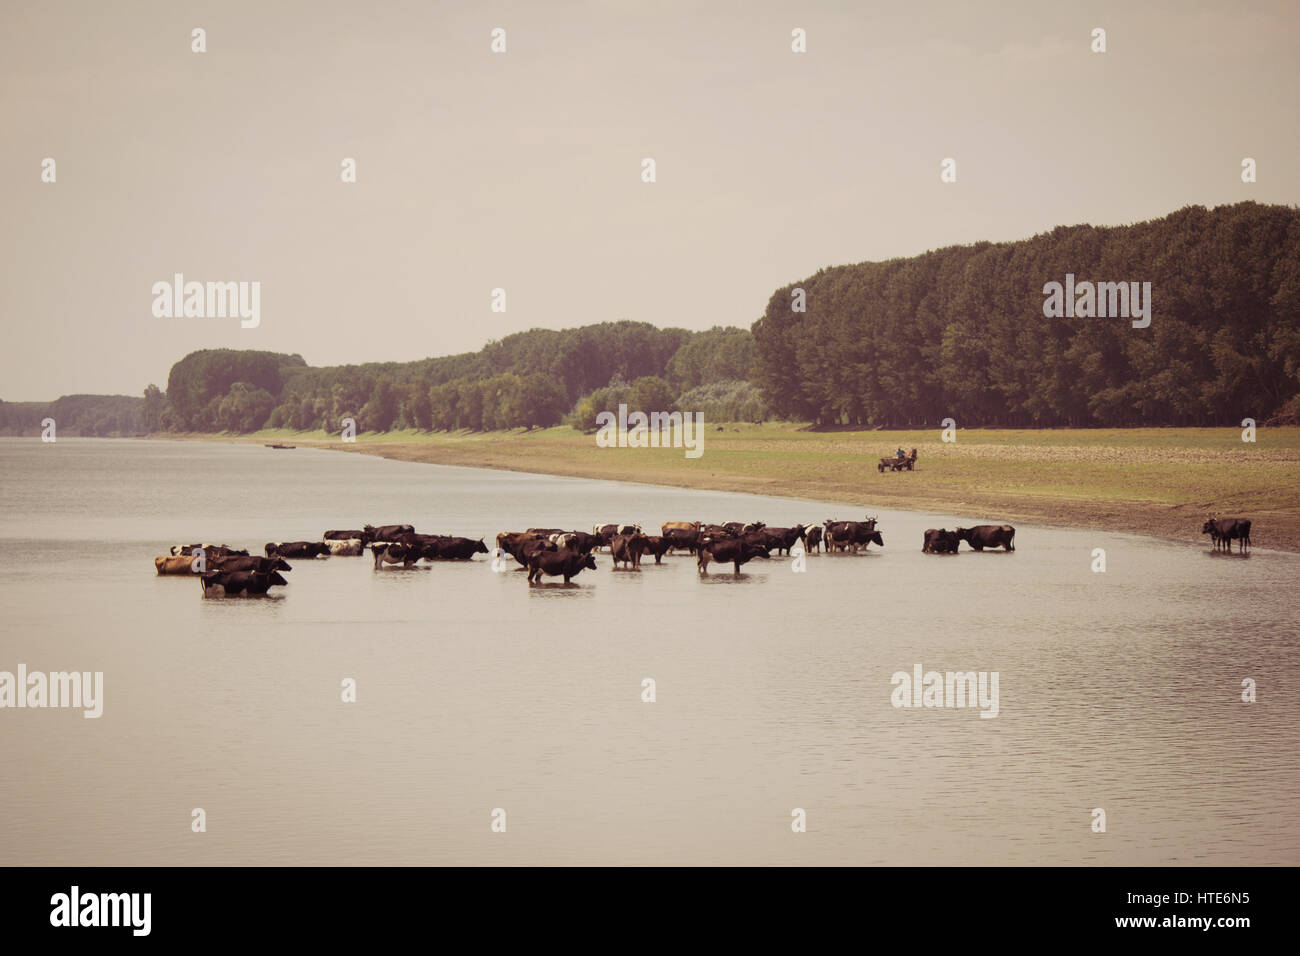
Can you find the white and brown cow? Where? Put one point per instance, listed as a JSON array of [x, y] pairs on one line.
[[349, 548]]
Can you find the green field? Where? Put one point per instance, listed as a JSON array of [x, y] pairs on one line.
[[1160, 481]]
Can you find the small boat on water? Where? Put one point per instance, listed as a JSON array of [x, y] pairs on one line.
[[281, 446]]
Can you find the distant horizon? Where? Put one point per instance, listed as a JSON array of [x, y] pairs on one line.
[[784, 138], [161, 383]]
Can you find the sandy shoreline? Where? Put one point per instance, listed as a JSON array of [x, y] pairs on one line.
[[816, 476]]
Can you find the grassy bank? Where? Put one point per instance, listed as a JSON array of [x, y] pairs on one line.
[[1159, 481]]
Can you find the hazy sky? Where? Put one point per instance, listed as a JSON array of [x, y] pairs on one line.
[[522, 170]]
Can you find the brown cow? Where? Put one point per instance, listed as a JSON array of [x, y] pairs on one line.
[[680, 526], [658, 546], [514, 544], [251, 563], [605, 533], [989, 536], [628, 548], [228, 583], [175, 564], [568, 563], [737, 551], [681, 538], [940, 541]]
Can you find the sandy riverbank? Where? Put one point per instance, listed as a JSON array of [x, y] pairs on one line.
[[1161, 482]]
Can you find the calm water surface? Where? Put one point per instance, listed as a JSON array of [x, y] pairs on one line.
[[1118, 690]]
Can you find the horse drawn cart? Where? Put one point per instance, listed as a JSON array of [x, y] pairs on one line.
[[898, 463]]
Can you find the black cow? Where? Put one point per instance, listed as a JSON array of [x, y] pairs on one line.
[[605, 533], [813, 538], [1223, 531], [249, 563], [783, 539], [738, 528], [387, 532], [240, 582], [568, 563], [989, 536], [362, 536], [680, 526], [459, 549], [210, 550], [941, 541], [658, 546], [297, 549], [682, 538], [414, 539], [736, 550], [850, 535], [714, 532], [422, 545], [829, 528]]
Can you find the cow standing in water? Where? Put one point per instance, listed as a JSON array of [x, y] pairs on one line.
[[231, 583], [627, 549], [342, 535], [850, 535], [989, 536], [814, 539], [297, 549], [687, 539], [658, 546], [459, 549], [404, 554], [781, 540], [605, 533], [1223, 531], [737, 551], [567, 563], [941, 541], [385, 532], [345, 547], [175, 563]]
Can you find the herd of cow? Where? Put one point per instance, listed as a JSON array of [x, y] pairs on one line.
[[222, 570], [554, 552]]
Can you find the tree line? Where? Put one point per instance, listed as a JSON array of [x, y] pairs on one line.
[[95, 416], [961, 333], [530, 379]]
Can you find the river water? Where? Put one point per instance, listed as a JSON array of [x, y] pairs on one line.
[[1119, 691]]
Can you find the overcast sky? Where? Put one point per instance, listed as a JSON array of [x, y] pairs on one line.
[[522, 170]]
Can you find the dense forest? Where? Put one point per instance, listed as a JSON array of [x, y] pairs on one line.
[[96, 416], [531, 379], [961, 332]]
